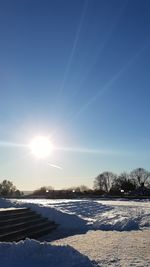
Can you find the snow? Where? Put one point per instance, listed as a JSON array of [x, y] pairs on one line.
[[35, 254], [113, 248], [111, 233], [82, 215]]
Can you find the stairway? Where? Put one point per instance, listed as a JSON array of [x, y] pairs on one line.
[[19, 223]]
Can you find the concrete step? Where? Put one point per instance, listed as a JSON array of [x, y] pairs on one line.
[[25, 231], [35, 234], [17, 224], [26, 218], [16, 214], [12, 210]]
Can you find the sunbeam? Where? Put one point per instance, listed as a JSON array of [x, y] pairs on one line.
[[104, 89], [101, 48], [109, 83], [83, 150], [11, 144], [74, 47], [92, 151]]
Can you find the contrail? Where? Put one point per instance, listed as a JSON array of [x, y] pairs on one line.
[[55, 166]]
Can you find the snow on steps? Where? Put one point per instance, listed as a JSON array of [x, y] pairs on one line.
[[19, 223]]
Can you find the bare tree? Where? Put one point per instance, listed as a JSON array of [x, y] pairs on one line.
[[140, 176], [104, 181], [7, 188], [123, 182]]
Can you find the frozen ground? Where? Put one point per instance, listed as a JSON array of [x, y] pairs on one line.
[[110, 233], [113, 249]]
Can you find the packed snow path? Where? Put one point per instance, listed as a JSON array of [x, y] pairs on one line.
[[112, 248]]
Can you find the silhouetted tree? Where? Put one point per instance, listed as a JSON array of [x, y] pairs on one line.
[[140, 176], [78, 189], [8, 189], [43, 190], [123, 182], [104, 181], [83, 188], [18, 193]]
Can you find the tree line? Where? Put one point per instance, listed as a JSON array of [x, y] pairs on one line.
[[137, 180]]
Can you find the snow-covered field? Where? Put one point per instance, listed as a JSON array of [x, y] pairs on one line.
[[90, 233]]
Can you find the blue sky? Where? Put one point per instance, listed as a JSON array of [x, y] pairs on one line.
[[77, 71]]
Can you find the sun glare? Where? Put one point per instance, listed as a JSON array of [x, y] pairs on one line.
[[41, 147]]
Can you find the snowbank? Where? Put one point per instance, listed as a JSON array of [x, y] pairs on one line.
[[31, 253], [67, 223], [79, 216], [5, 203]]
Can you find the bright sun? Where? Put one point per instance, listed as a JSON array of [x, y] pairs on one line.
[[41, 147]]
